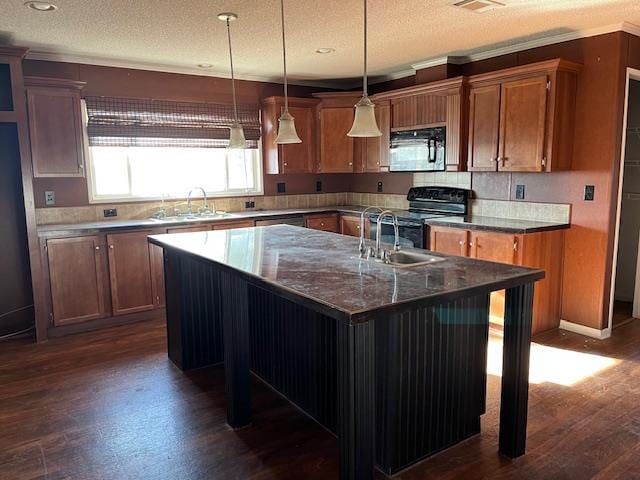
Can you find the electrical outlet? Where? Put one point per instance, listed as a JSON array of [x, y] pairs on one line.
[[519, 192], [318, 186], [50, 198], [250, 204], [282, 187], [110, 212], [589, 192], [379, 187]]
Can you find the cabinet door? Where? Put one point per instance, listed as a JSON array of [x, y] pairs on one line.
[[232, 225], [494, 247], [376, 149], [523, 111], [404, 112], [452, 241], [299, 157], [130, 272], [193, 228], [55, 125], [77, 272], [336, 148], [484, 127], [156, 256], [350, 225], [327, 223]]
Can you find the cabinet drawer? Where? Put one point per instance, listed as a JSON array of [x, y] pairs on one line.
[[327, 223], [231, 225]]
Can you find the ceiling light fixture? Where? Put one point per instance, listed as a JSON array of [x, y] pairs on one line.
[[286, 124], [236, 134], [204, 66], [364, 122], [324, 50], [41, 6]]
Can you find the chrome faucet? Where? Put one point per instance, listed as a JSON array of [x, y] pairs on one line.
[[379, 252], [205, 205], [362, 249]]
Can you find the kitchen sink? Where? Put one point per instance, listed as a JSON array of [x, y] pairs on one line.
[[193, 218], [411, 259]]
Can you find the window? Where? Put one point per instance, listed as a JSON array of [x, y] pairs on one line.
[[144, 150]]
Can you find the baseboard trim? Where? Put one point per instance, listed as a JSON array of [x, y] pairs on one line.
[[584, 330]]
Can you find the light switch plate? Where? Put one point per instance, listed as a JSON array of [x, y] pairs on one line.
[[589, 192], [50, 198], [110, 212], [519, 192]]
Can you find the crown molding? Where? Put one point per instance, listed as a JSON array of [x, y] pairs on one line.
[[529, 44], [63, 57]]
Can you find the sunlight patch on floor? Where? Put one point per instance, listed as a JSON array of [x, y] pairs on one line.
[[552, 364]]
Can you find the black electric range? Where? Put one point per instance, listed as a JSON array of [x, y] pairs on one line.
[[424, 203]]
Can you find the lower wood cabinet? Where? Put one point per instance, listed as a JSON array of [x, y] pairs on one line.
[[542, 250], [79, 279], [325, 222], [237, 224], [156, 258], [350, 225], [193, 228], [130, 272]]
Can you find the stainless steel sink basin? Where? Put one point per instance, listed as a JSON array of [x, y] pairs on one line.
[[193, 218], [403, 259]]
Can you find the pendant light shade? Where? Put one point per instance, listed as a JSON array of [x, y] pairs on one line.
[[236, 134], [286, 124], [287, 130], [236, 137], [364, 122]]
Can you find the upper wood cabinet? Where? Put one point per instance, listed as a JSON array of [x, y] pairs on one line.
[[484, 127], [418, 111], [295, 157], [130, 272], [373, 152], [55, 125], [521, 119], [78, 276]]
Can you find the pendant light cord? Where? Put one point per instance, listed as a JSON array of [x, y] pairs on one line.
[[233, 80], [284, 59], [364, 76]]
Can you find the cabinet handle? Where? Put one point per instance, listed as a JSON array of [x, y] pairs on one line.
[[111, 247], [471, 244], [98, 247], [462, 243], [285, 164], [515, 246]]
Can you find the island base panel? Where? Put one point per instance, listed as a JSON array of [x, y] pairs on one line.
[[515, 375]]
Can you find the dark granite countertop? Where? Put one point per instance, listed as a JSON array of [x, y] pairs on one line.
[[506, 225], [472, 222], [324, 269]]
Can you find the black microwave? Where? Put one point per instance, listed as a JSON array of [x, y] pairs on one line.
[[421, 150]]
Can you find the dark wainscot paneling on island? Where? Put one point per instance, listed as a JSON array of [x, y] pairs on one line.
[[392, 361]]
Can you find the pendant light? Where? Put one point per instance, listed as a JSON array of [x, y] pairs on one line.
[[364, 122], [286, 125], [236, 134]]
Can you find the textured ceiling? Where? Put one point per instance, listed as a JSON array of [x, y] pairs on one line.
[[178, 34]]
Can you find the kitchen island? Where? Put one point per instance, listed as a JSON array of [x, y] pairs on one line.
[[391, 360]]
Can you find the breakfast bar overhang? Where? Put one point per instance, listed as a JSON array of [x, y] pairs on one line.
[[392, 360]]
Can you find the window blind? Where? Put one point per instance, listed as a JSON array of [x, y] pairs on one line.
[[130, 122]]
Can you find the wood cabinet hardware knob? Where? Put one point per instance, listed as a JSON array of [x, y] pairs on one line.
[[98, 247], [111, 247], [471, 244], [461, 243]]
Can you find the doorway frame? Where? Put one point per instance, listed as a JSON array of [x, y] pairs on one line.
[[632, 74]]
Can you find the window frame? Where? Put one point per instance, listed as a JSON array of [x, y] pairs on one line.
[[95, 199]]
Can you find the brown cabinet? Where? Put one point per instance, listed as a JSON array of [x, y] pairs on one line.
[[418, 110], [523, 108], [452, 241], [521, 119], [374, 151], [192, 228], [350, 225], [232, 225], [78, 279], [336, 148], [56, 128], [156, 258], [484, 127], [295, 157], [130, 272], [325, 222], [542, 250]]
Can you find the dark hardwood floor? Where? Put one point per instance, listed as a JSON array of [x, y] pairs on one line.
[[109, 405]]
